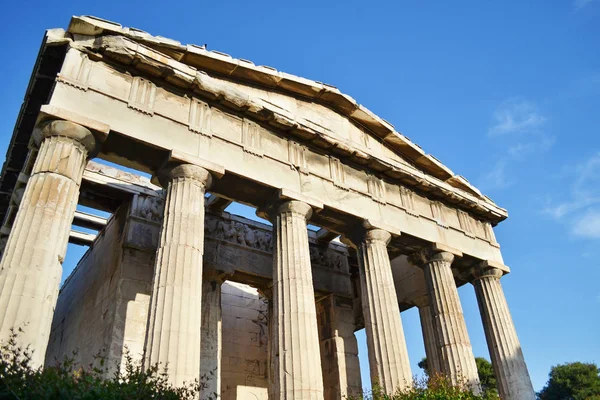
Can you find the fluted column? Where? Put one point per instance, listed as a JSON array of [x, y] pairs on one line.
[[388, 356], [31, 267], [295, 356], [456, 355], [429, 337], [505, 350], [339, 349], [174, 327], [211, 350]]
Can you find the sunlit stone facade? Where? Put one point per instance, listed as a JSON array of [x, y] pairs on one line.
[[250, 309]]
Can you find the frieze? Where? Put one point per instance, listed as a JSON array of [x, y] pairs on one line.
[[328, 258], [239, 233], [148, 207], [261, 239]]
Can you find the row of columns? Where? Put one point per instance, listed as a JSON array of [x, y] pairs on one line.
[[31, 268]]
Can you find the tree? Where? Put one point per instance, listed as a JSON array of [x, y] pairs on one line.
[[484, 370], [572, 381]]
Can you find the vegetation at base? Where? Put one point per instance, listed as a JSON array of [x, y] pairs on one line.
[[19, 380], [433, 388], [485, 371], [68, 380], [572, 381]]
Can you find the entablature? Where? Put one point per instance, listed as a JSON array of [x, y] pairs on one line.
[[348, 130]]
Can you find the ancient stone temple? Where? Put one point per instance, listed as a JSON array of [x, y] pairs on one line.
[[253, 310]]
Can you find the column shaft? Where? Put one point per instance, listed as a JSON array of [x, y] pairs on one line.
[[174, 327], [505, 350], [430, 340], [339, 349], [31, 268], [456, 355], [388, 356], [296, 362], [210, 358]]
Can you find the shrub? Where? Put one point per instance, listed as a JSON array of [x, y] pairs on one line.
[[437, 387], [68, 380]]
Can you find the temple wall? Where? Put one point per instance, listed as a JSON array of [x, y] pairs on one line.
[[85, 311], [245, 343]]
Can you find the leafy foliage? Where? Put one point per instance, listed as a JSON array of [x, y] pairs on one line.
[[485, 372], [432, 388], [68, 380], [572, 381]]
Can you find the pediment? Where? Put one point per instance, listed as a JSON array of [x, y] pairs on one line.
[[311, 111]]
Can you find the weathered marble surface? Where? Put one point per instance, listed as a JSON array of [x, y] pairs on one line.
[[152, 102], [505, 350], [175, 320], [31, 266]]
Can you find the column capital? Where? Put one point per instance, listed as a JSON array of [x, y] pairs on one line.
[[372, 231], [488, 269], [288, 201], [189, 171], [434, 252], [68, 129]]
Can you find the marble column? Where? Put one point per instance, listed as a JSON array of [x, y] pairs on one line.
[[174, 326], [339, 348], [31, 268], [505, 350], [295, 356], [456, 355], [429, 337], [211, 344], [388, 356]]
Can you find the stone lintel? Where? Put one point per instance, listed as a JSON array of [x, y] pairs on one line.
[[49, 112], [286, 194], [370, 224], [440, 247], [355, 236], [177, 156]]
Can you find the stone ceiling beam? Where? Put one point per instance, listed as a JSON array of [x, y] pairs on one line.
[[325, 235], [217, 203], [81, 238], [90, 221]]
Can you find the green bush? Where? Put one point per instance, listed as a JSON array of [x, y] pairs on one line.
[[572, 381], [68, 380], [436, 387]]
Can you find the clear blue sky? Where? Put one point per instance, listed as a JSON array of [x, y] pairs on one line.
[[506, 93]]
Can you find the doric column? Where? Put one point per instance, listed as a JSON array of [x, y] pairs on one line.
[[339, 349], [507, 357], [456, 355], [174, 327], [388, 356], [429, 337], [210, 358], [31, 267], [295, 357]]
